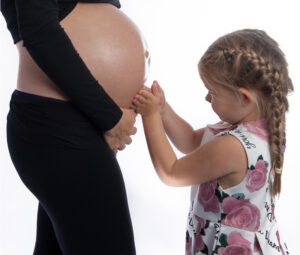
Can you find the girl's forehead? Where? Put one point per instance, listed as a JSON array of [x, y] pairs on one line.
[[209, 85]]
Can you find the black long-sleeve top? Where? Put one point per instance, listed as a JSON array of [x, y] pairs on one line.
[[36, 22]]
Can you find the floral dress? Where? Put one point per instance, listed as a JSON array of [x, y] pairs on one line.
[[239, 220]]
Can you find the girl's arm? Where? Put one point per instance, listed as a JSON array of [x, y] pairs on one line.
[[219, 157], [181, 133]]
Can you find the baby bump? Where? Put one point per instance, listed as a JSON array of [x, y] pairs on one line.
[[112, 47]]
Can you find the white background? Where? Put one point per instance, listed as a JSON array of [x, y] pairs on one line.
[[178, 33]]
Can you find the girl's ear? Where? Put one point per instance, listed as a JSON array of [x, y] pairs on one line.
[[247, 96]]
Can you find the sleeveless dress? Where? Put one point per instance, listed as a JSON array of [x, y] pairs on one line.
[[239, 220]]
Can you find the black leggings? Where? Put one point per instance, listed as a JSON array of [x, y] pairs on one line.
[[65, 162]]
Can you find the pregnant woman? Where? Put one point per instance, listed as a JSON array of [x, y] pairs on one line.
[[80, 64]]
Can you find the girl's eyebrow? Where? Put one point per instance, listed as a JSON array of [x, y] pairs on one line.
[[205, 85], [208, 87]]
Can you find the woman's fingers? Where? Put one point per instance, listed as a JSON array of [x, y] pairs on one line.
[[133, 131], [122, 147], [128, 140]]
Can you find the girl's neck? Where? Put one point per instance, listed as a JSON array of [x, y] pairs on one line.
[[252, 116]]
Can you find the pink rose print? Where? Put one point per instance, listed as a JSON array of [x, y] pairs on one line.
[[257, 177], [241, 214], [235, 249], [237, 238], [201, 223], [273, 211], [277, 234], [207, 198], [188, 247], [258, 128], [199, 241], [237, 245]]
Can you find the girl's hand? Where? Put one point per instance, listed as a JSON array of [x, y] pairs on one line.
[[146, 103], [157, 90]]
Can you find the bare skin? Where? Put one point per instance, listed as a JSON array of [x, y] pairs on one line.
[[113, 49], [200, 165]]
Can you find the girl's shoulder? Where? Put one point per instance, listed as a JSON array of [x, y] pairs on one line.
[[246, 132], [252, 135]]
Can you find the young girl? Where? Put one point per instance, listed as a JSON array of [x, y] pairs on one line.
[[234, 166]]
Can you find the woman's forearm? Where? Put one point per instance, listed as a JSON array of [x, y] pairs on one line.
[[181, 133], [53, 51]]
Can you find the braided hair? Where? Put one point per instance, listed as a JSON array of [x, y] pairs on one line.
[[251, 59]]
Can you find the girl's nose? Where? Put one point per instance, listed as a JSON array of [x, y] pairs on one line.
[[208, 97]]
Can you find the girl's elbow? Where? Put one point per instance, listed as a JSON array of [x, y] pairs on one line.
[[169, 179]]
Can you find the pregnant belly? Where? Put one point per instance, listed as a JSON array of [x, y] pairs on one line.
[[112, 47]]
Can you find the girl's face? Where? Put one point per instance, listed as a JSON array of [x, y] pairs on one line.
[[229, 106]]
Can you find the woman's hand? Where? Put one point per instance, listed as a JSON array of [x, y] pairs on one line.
[[119, 135]]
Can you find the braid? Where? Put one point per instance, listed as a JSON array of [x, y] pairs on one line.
[[267, 80], [251, 59], [277, 132]]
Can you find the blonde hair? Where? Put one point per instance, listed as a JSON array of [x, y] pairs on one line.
[[251, 59]]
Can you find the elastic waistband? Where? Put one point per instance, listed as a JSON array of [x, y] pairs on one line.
[[42, 108], [25, 95]]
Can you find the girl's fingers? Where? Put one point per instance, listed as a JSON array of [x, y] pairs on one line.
[[134, 102], [141, 91], [159, 89], [155, 90], [153, 86], [146, 88], [133, 107], [140, 99], [146, 94]]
